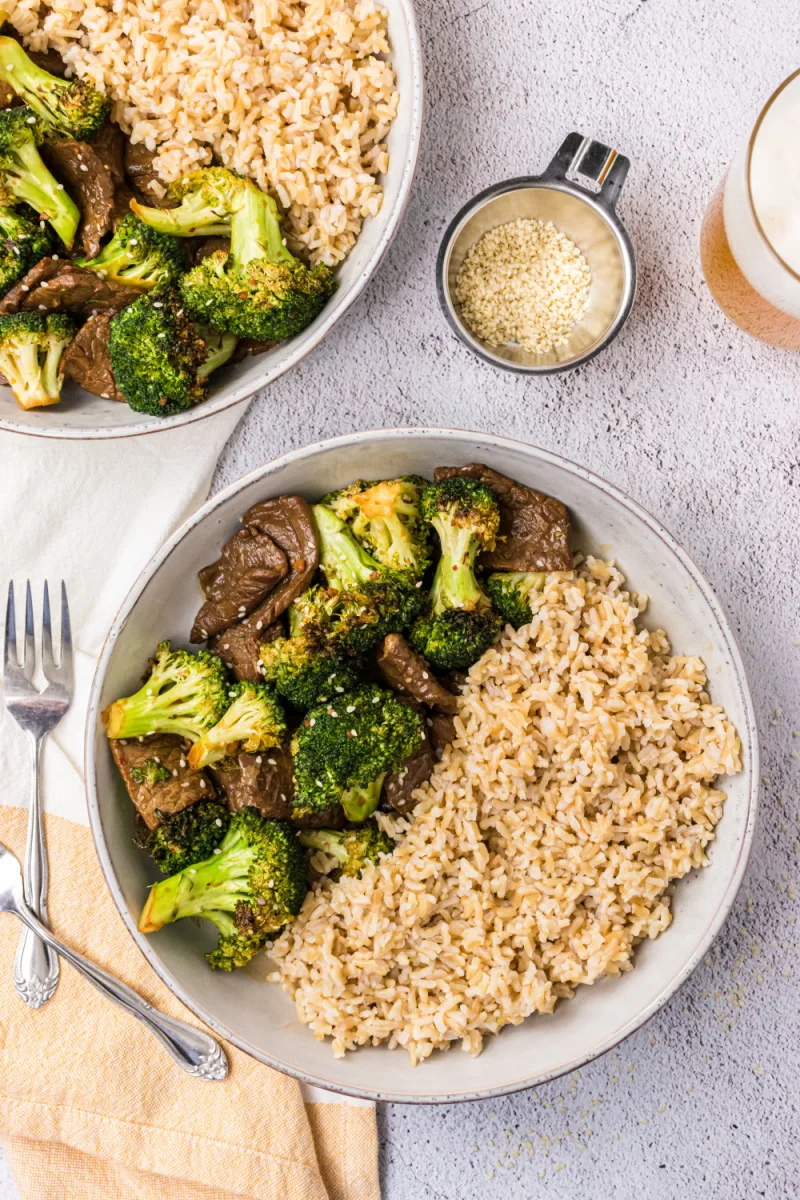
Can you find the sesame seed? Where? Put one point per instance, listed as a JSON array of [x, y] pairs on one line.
[[84, 167], [258, 759], [182, 763], [350, 708], [218, 822], [202, 783], [272, 762], [174, 772], [260, 900]]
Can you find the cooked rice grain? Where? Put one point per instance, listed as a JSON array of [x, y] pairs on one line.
[[298, 95], [578, 787]]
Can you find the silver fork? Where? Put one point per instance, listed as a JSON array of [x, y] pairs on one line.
[[37, 713]]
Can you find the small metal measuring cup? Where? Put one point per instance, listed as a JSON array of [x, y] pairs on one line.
[[578, 192]]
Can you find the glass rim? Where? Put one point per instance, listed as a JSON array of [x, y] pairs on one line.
[[748, 165]]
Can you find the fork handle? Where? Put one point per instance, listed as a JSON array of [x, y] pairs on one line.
[[35, 965], [194, 1051]]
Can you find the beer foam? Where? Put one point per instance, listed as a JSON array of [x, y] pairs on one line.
[[775, 175]]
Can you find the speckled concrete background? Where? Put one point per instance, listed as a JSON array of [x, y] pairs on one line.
[[698, 423]]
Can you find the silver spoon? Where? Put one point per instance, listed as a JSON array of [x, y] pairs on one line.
[[194, 1051]]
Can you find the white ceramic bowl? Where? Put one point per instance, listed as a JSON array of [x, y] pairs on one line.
[[258, 1017], [83, 416]]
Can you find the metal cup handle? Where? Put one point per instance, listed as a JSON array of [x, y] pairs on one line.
[[589, 165]]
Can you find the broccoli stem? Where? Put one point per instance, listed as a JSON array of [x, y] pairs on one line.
[[345, 563], [37, 187], [208, 889], [135, 715], [256, 230], [360, 802], [455, 585], [21, 367], [330, 841]]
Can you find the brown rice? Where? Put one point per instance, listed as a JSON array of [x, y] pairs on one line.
[[540, 852], [296, 94]]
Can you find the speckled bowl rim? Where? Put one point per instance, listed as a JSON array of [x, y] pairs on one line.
[[748, 734]]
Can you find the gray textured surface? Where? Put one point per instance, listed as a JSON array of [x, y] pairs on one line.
[[699, 424]]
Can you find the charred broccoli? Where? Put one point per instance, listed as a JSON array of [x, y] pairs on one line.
[[250, 887], [260, 289], [184, 694], [205, 201], [459, 623], [188, 836], [22, 243], [353, 848], [385, 519], [157, 355], [138, 256], [346, 746], [31, 346], [219, 347], [24, 177], [304, 667], [254, 722], [150, 772], [510, 593], [364, 600], [70, 107]]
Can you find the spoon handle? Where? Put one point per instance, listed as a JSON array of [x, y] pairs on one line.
[[194, 1051]]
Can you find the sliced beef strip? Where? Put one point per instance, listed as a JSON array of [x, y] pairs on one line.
[[534, 528], [248, 569], [239, 647], [143, 177], [200, 248], [248, 347], [184, 787], [288, 521], [406, 671], [88, 362], [58, 285], [122, 204], [109, 146], [89, 182], [441, 730], [398, 786], [268, 785]]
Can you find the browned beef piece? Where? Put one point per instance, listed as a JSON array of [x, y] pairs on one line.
[[122, 204], [239, 647], [157, 800], [247, 347], [534, 528], [398, 786], [406, 671], [89, 182], [109, 146], [265, 781], [454, 681], [249, 567], [288, 521], [56, 284], [441, 730], [88, 362], [200, 248], [143, 177]]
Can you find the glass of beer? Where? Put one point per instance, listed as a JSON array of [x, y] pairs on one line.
[[750, 240]]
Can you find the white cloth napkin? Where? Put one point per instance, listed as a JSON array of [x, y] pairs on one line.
[[91, 513]]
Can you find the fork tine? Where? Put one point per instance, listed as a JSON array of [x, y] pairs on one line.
[[29, 655], [10, 662], [65, 664], [48, 662]]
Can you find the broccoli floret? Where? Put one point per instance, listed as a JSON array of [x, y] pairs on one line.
[[510, 593], [24, 177], [346, 746], [70, 107], [31, 346], [185, 694], [252, 887], [254, 722], [151, 771], [205, 201], [364, 601], [22, 243], [219, 346], [259, 290], [188, 836], [353, 848], [385, 518], [138, 256], [157, 355], [303, 667], [459, 624]]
